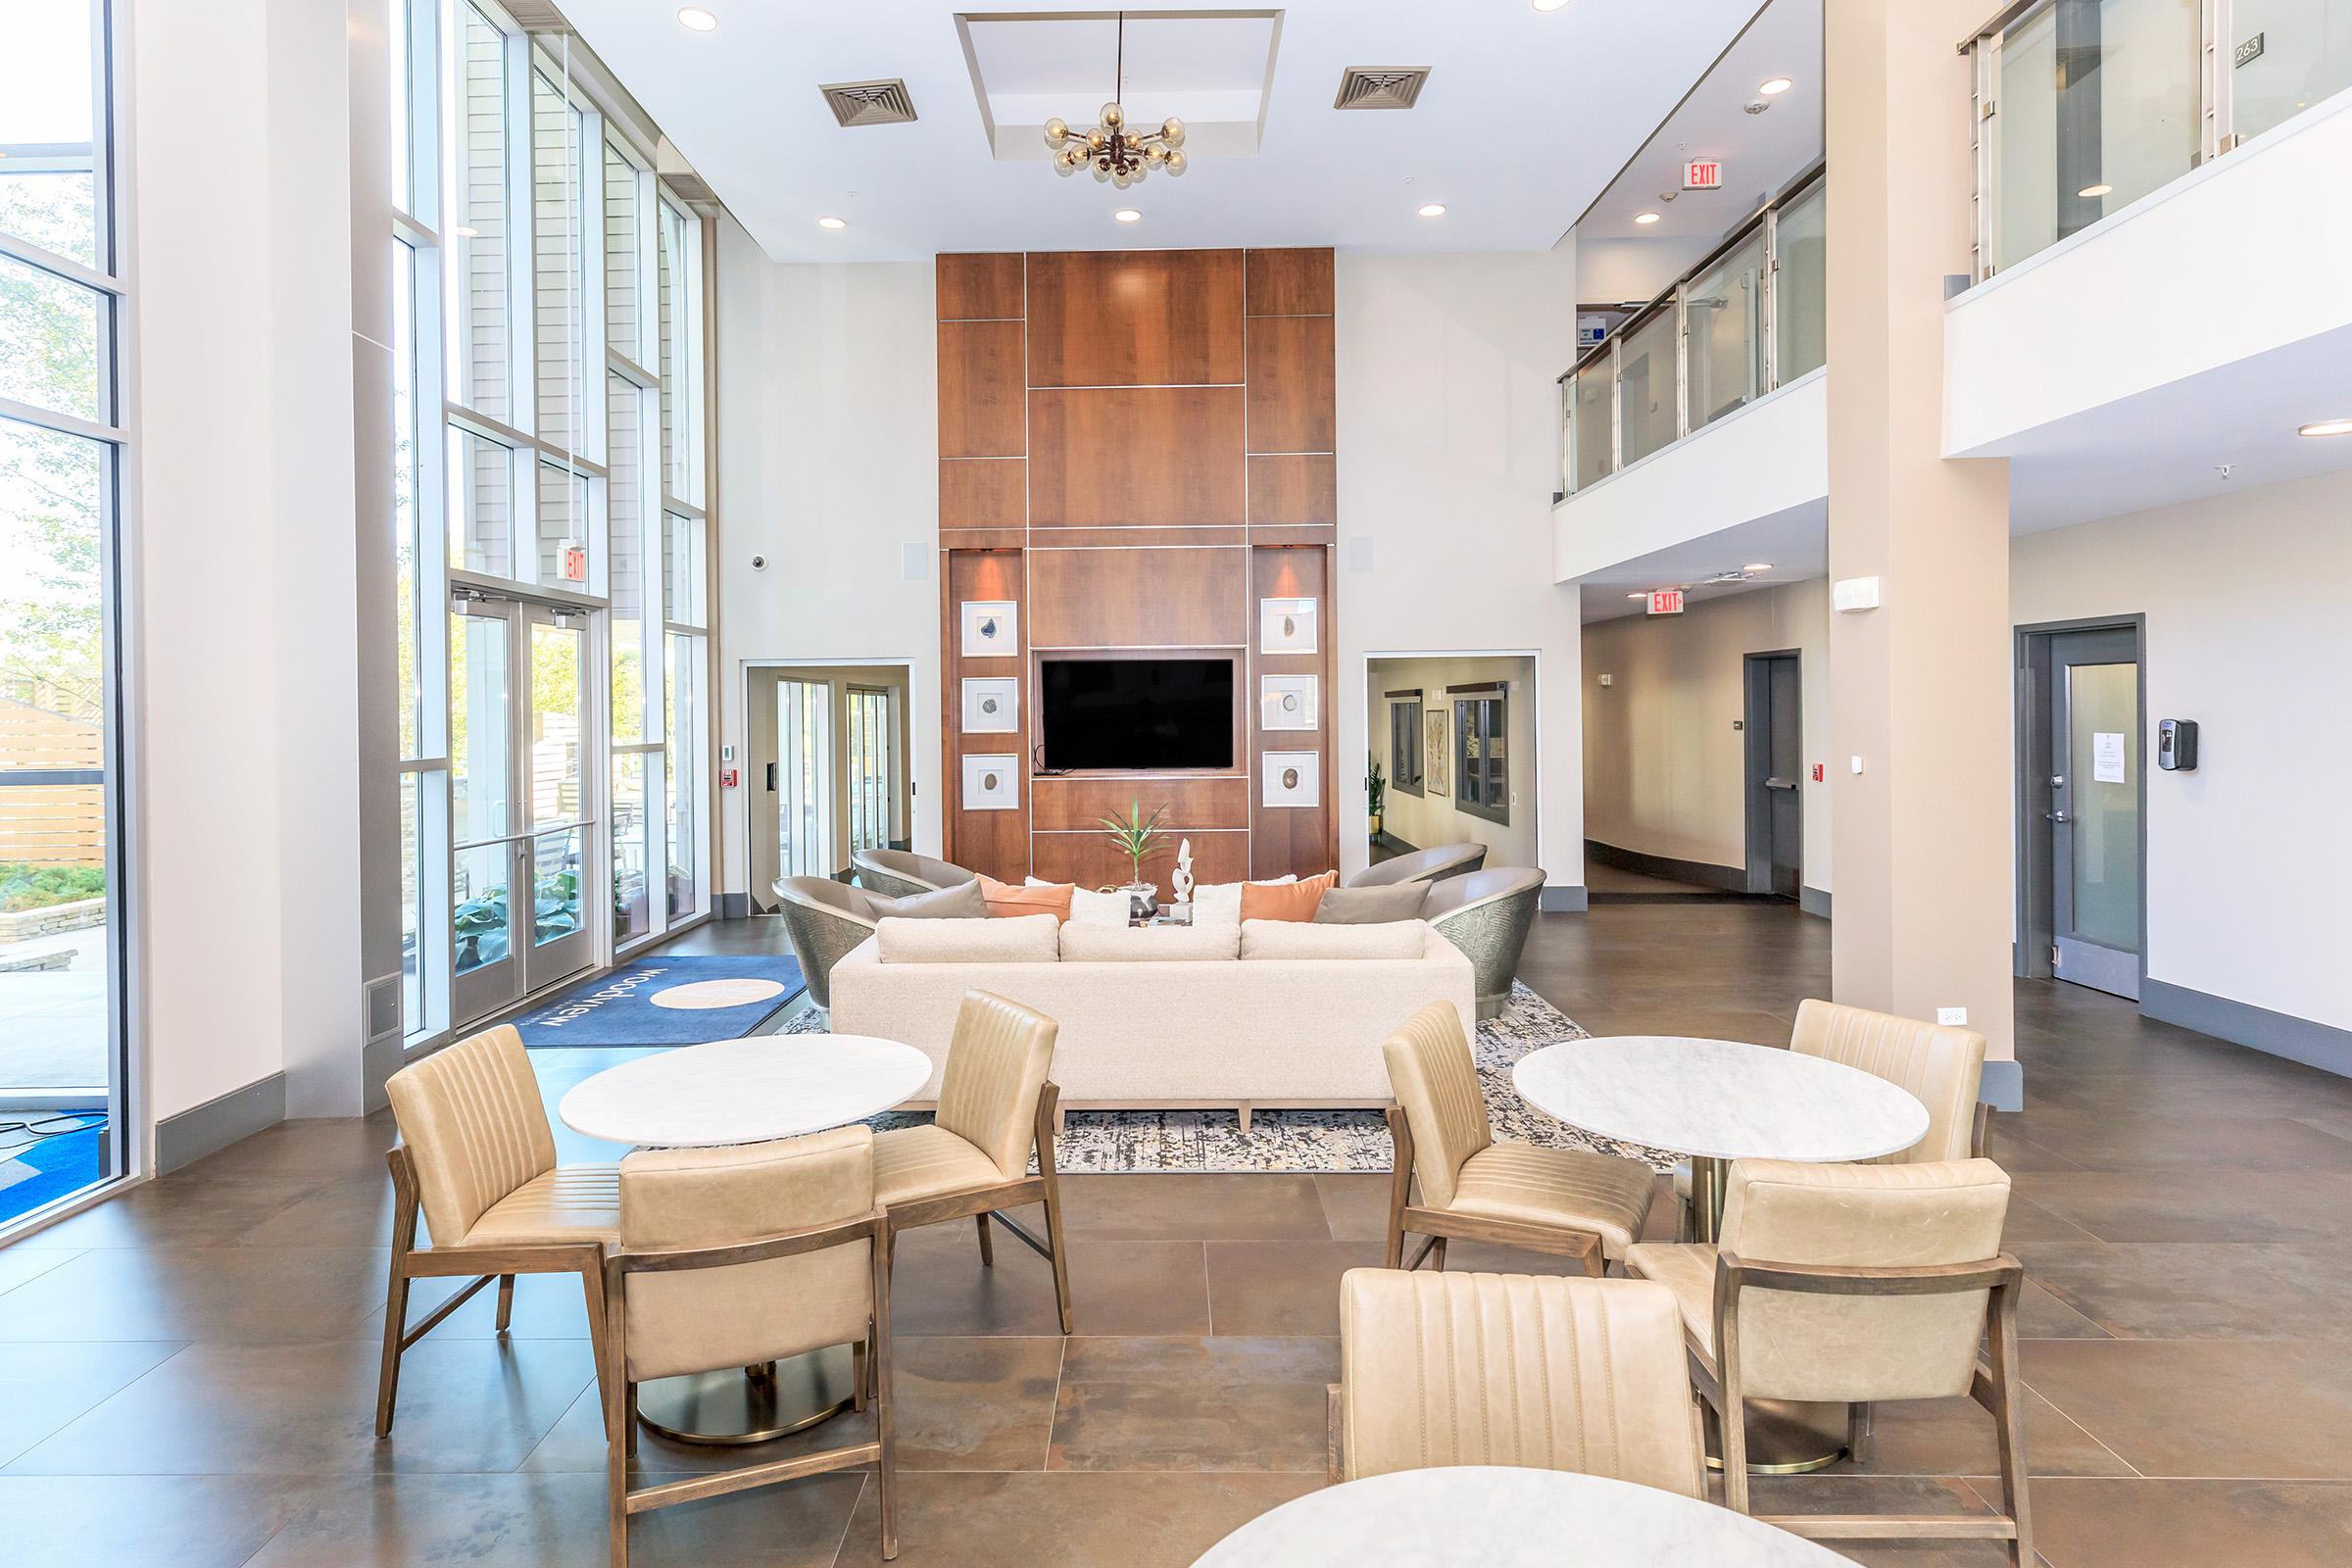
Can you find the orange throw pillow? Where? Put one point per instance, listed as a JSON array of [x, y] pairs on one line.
[[1285, 900], [1007, 901]]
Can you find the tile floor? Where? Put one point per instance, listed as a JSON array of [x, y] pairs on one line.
[[186, 1373]]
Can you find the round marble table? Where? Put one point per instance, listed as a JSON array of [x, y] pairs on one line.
[[746, 1092], [1489, 1517]]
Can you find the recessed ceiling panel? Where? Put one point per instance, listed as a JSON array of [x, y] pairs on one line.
[[1210, 69]]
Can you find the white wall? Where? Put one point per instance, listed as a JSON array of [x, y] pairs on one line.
[[241, 555], [1665, 774], [1431, 818], [1625, 272], [828, 444], [1449, 446], [2248, 634]]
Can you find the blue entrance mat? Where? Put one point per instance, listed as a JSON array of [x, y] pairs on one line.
[[668, 1002], [45, 1170]]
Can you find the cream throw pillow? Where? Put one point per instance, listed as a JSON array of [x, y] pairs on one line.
[[1149, 943], [1220, 903], [1092, 909], [1304, 939], [1012, 939]]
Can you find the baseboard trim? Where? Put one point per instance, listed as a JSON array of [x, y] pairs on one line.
[[1813, 902], [207, 1129], [2278, 1034], [1730, 879], [1564, 900], [734, 905]]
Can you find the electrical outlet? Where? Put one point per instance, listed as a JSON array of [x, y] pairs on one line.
[[1956, 1016]]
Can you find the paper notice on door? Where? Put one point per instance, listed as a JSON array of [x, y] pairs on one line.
[[2107, 756]]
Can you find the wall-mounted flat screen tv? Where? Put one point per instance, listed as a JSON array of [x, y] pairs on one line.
[[1136, 712]]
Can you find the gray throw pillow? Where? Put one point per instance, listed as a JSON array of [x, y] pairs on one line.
[[962, 902], [1372, 906]]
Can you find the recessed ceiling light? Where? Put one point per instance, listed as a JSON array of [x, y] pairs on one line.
[[830, 222], [2094, 190], [1775, 87], [1757, 566], [1645, 218], [696, 19], [1432, 209], [1636, 595], [1128, 214], [468, 231], [2328, 428], [1549, 5]]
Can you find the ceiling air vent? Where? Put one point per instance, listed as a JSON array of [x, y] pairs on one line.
[[869, 102], [1380, 86]]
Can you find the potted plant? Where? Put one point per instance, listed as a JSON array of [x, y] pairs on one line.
[[1376, 794], [1140, 839]]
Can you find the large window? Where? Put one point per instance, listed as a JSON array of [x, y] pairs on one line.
[[62, 446], [1482, 764], [550, 425], [1404, 742]]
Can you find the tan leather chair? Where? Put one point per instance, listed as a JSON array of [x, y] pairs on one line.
[[1854, 1284], [995, 1104], [1943, 1067], [477, 1155], [731, 1258], [1561, 1200], [1510, 1369]]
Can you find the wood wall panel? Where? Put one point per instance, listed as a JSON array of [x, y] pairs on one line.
[[981, 399], [1288, 838], [980, 287], [1192, 800], [994, 841], [1293, 487], [1291, 284], [1090, 860], [1160, 597], [983, 493], [1292, 392], [1135, 318], [1197, 533], [1136, 455]]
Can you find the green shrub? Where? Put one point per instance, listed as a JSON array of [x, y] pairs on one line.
[[25, 886]]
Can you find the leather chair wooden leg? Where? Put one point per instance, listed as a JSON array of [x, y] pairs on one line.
[[988, 1245], [506, 1303]]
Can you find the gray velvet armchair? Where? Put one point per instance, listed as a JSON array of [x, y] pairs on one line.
[[1488, 914], [823, 919]]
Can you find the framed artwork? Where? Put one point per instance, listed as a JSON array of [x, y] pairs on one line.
[[1433, 752], [991, 784], [992, 628], [1287, 702], [1286, 626], [1290, 778], [991, 705]]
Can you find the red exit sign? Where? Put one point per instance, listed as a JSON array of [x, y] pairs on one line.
[[1702, 174], [1666, 601]]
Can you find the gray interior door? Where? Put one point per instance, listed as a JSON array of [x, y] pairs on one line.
[[1775, 823], [2094, 839]]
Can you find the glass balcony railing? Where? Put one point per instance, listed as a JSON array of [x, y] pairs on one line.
[[1749, 317], [2083, 107]]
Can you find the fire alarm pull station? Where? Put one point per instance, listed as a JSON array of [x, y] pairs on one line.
[[729, 778]]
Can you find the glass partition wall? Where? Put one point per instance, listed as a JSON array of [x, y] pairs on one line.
[[551, 532], [1751, 317], [64, 445], [2084, 107]]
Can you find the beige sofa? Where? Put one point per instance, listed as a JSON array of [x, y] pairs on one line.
[[1270, 1015]]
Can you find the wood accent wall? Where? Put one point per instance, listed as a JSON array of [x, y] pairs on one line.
[[1136, 447]]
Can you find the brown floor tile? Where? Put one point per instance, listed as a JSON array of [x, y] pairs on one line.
[[1064, 1519], [1831, 1491], [2211, 1408], [1355, 1207], [2195, 1291], [937, 1287], [547, 1306], [2218, 1205], [142, 1521], [2043, 1316], [284, 1409], [2189, 1144], [555, 1521], [1955, 1438], [197, 1208], [1277, 1288], [45, 1387], [1200, 1405], [21, 1262], [2192, 1524], [981, 1403], [223, 1295], [353, 1213], [1165, 1206], [2030, 1222], [333, 1148]]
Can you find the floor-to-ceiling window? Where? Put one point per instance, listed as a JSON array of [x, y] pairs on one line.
[[550, 427], [63, 442]]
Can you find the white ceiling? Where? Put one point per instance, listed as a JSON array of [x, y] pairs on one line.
[[1209, 70], [1526, 117], [1760, 153], [1795, 544]]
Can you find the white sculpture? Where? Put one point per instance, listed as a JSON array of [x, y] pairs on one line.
[[1181, 879]]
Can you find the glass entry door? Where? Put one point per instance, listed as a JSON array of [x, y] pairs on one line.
[[2095, 809], [520, 808], [804, 778], [872, 770]]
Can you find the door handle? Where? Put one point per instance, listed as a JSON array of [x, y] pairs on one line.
[[1780, 783], [2058, 816]]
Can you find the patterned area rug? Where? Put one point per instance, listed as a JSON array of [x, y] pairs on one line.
[[1313, 1140]]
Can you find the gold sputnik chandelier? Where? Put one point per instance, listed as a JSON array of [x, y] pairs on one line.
[[1119, 155]]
